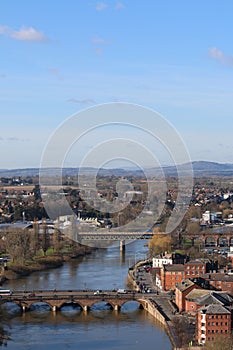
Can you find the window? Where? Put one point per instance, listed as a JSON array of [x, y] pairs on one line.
[[212, 323]]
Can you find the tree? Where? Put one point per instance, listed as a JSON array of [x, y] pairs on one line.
[[17, 245], [4, 334], [183, 330], [193, 227], [220, 343], [159, 243], [45, 243]]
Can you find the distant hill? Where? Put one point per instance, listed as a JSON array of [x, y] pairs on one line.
[[200, 168], [203, 168]]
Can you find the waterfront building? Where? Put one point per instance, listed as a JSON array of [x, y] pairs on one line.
[[171, 275], [182, 289], [192, 300], [212, 320]]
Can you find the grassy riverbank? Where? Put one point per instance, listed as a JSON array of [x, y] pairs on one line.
[[15, 270]]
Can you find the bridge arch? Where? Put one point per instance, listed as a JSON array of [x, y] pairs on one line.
[[138, 302], [210, 241], [223, 241]]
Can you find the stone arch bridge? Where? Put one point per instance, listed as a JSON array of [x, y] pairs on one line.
[[85, 299]]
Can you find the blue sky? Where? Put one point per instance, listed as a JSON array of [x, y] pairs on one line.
[[59, 57]]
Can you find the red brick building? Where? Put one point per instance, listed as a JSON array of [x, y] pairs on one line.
[[192, 300], [171, 275], [194, 268], [212, 321], [182, 289], [218, 281]]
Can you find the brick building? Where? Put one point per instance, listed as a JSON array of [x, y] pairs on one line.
[[192, 300], [217, 281], [182, 289], [171, 275], [194, 268], [212, 320]]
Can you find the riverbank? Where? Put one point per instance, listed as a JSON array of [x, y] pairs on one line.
[[14, 271], [160, 307]]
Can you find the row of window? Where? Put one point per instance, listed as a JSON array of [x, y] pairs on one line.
[[195, 267], [217, 316], [217, 323], [216, 331]]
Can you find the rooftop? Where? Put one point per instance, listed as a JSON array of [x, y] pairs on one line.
[[214, 309], [182, 286], [197, 293], [175, 267]]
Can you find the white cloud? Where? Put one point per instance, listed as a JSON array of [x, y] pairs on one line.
[[221, 56], [99, 41], [100, 6], [23, 34], [86, 101], [13, 138], [119, 6]]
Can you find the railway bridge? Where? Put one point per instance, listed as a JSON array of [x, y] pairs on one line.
[[212, 237]]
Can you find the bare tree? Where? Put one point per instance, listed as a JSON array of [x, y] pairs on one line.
[[220, 343], [17, 243]]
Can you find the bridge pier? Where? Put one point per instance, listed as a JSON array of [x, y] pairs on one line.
[[116, 307], [54, 308], [85, 308], [122, 245], [24, 308]]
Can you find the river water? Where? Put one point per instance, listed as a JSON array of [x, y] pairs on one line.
[[101, 328]]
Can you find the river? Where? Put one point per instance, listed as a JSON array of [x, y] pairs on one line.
[[101, 328]]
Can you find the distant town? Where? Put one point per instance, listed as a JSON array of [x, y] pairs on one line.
[[193, 265]]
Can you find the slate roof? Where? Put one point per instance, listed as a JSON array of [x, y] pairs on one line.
[[174, 267], [214, 309], [182, 286], [197, 293]]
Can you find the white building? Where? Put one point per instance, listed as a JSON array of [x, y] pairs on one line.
[[159, 262]]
